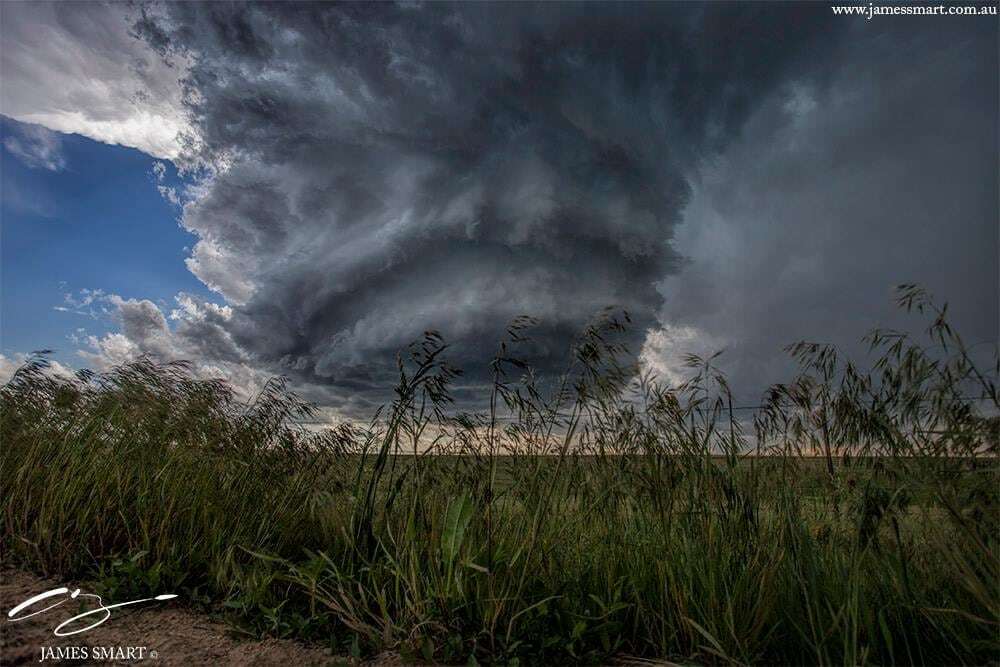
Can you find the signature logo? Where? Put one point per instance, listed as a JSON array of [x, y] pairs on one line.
[[102, 612]]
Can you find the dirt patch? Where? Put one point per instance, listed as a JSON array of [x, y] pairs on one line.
[[163, 633], [168, 634]]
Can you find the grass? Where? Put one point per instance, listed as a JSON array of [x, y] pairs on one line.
[[851, 519]]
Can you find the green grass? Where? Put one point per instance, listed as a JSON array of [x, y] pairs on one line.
[[605, 516]]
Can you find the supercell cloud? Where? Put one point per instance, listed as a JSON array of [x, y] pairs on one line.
[[388, 169], [731, 175]]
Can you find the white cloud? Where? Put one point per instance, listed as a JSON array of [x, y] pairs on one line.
[[665, 351], [221, 271], [112, 350], [91, 303], [191, 309], [74, 68], [36, 146], [9, 366], [196, 337], [169, 193]]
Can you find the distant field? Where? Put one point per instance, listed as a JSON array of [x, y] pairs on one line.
[[639, 533]]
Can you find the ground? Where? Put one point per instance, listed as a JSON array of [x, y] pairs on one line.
[[177, 636]]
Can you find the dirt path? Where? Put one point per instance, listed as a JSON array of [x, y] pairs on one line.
[[162, 633]]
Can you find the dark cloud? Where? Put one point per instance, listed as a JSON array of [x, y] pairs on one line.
[[735, 175], [384, 169], [833, 194]]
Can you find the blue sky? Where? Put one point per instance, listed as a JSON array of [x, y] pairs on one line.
[[99, 222]]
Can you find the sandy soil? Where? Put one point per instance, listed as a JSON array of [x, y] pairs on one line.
[[170, 634]]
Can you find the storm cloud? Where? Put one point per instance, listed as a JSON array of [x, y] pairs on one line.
[[383, 170], [834, 194], [735, 176]]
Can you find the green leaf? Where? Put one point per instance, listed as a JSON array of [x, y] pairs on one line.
[[427, 649], [455, 523]]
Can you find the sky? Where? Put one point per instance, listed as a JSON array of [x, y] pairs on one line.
[[304, 189]]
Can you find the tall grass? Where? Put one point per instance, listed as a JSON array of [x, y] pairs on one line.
[[851, 519]]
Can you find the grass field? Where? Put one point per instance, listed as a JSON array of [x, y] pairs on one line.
[[852, 519]]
